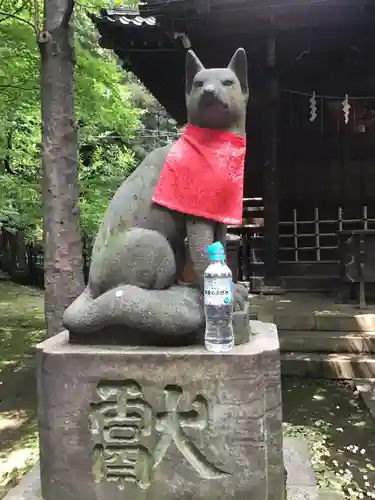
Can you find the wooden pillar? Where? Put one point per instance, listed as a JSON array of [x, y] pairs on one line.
[[270, 198]]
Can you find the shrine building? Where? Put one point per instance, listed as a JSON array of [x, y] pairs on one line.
[[309, 197]]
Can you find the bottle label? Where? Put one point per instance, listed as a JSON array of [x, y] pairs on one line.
[[218, 291]]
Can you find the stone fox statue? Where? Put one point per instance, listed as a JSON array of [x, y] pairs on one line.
[[140, 251]]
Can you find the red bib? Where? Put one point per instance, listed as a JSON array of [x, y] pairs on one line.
[[203, 175]]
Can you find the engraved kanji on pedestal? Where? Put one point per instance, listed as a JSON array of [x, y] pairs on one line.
[[131, 438], [119, 424]]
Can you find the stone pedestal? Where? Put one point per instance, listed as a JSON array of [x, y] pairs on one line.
[[161, 424]]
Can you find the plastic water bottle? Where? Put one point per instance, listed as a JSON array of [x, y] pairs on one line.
[[218, 301]]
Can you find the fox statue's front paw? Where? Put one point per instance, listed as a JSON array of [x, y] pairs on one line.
[[240, 296]]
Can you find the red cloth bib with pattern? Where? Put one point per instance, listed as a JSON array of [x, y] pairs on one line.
[[203, 175]]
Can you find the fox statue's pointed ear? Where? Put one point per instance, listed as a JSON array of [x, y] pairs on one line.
[[238, 64], [192, 67]]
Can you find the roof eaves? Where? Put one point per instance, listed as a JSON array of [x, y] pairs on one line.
[[125, 16]]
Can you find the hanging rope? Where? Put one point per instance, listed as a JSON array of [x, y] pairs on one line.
[[330, 97]]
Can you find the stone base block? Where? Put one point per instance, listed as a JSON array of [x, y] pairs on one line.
[[154, 423], [301, 479], [28, 488]]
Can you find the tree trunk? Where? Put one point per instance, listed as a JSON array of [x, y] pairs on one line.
[[63, 273]]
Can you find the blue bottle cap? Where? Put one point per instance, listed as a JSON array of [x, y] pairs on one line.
[[216, 251]]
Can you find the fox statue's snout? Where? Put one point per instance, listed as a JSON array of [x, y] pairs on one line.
[[211, 96]]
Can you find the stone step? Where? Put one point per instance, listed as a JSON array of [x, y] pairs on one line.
[[327, 341], [350, 319], [332, 366], [331, 495], [312, 311], [301, 480], [310, 283], [4, 276], [366, 389]]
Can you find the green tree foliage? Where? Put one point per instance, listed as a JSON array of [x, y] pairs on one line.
[[107, 120], [157, 127]]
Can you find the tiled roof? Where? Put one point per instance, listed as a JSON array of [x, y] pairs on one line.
[[138, 20], [126, 16]]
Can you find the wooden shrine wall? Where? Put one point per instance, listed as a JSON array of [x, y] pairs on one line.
[[326, 173], [326, 162]]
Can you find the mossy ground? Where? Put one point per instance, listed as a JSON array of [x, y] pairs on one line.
[[339, 429], [21, 328], [333, 419]]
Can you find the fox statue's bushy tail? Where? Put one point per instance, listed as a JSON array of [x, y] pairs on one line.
[[131, 284], [177, 310]]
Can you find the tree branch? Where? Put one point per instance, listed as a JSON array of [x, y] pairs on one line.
[[17, 18], [16, 87], [36, 19], [7, 155], [45, 36], [7, 159], [7, 168], [68, 14], [15, 12]]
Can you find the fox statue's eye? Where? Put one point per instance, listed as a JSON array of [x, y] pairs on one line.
[[228, 82], [198, 83]]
